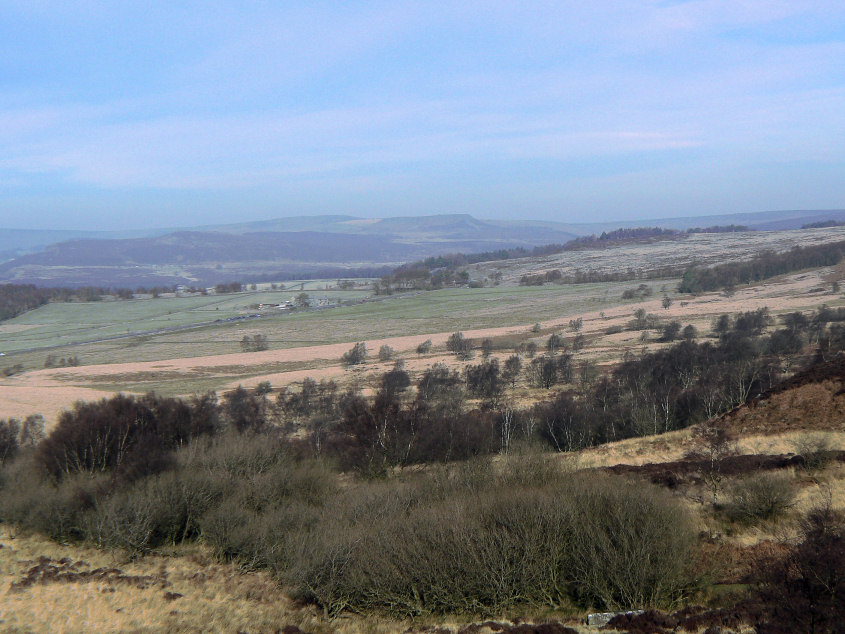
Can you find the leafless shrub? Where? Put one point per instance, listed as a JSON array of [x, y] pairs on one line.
[[126, 520], [491, 546], [765, 496], [256, 343], [356, 355], [527, 348], [245, 411], [804, 592], [511, 369], [529, 467], [815, 449], [715, 444], [619, 527], [689, 333], [9, 438], [33, 504], [32, 431], [458, 344], [235, 532]]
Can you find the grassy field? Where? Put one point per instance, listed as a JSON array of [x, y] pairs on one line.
[[60, 324], [436, 311], [459, 309]]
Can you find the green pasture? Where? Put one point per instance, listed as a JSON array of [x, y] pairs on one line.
[[408, 313], [60, 324], [63, 323], [405, 313], [315, 286], [464, 309]]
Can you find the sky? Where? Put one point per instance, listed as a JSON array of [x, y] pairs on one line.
[[124, 115]]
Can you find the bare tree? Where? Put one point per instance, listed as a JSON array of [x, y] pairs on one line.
[[460, 345], [714, 443], [356, 355]]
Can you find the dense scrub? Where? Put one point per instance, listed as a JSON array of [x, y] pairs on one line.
[[802, 591], [459, 538], [469, 541], [650, 393], [124, 434]]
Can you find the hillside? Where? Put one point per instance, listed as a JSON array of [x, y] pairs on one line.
[[810, 400], [415, 226], [661, 257]]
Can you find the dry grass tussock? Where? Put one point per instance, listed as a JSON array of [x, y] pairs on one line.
[[183, 593], [674, 445], [70, 589]]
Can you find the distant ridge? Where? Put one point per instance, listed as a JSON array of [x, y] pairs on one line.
[[758, 220], [307, 243], [23, 240]]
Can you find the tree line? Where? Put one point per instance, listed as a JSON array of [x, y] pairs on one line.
[[767, 264], [823, 224], [621, 236], [732, 228], [444, 270], [646, 393], [16, 299]]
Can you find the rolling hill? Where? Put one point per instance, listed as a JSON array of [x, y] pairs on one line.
[[328, 246]]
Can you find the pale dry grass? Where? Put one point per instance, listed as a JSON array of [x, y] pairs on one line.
[[826, 489], [785, 443], [816, 406], [666, 447], [214, 598], [12, 328], [674, 445], [18, 401]]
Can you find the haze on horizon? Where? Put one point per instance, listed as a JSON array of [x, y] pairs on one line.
[[119, 115]]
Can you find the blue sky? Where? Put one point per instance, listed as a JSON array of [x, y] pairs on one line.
[[120, 115]]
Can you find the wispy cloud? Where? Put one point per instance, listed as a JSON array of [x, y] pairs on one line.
[[380, 99]]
